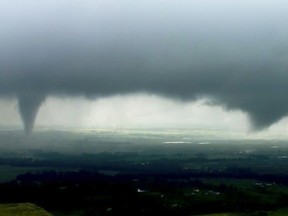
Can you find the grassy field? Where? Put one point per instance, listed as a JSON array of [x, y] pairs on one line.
[[22, 209], [280, 212], [9, 173]]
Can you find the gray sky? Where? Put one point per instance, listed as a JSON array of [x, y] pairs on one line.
[[233, 54]]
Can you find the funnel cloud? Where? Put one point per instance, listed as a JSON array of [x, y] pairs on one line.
[[28, 107], [232, 53]]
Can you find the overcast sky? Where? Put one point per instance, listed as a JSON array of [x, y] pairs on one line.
[[158, 62]]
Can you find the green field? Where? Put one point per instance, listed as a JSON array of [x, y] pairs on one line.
[[22, 209], [126, 172], [280, 212], [9, 173]]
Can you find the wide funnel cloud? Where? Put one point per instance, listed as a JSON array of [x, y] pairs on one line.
[[233, 53]]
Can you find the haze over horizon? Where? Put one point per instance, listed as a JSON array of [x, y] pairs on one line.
[[221, 61]]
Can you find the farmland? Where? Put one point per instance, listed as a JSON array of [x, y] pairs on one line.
[[143, 172]]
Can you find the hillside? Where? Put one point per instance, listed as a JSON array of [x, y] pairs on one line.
[[22, 209]]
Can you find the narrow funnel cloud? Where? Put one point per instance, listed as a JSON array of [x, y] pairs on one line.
[[28, 107]]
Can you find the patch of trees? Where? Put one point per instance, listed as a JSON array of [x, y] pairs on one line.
[[93, 193]]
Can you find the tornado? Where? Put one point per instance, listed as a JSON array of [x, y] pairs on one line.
[[29, 104], [219, 51]]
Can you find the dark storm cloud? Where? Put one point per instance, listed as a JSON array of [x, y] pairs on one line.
[[233, 53]]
